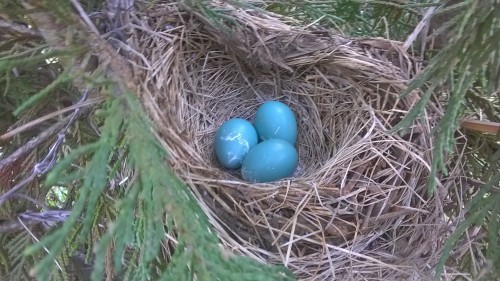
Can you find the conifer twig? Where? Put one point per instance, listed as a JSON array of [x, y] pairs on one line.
[[48, 218], [48, 162], [41, 138], [49, 116]]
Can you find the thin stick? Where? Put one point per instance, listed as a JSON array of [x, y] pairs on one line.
[[413, 36], [38, 241], [85, 17], [481, 126], [48, 162], [19, 28], [51, 115], [35, 142], [18, 186]]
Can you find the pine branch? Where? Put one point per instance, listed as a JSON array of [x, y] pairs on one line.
[[155, 189], [49, 160], [468, 54], [37, 141], [156, 201]]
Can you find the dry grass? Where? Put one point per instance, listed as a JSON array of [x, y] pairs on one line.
[[357, 206]]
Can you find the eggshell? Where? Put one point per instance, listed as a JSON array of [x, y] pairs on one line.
[[275, 120], [270, 160], [233, 140]]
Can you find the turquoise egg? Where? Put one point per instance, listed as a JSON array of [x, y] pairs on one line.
[[270, 160], [275, 120], [233, 140]]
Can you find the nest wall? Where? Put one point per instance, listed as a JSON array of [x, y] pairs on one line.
[[357, 206]]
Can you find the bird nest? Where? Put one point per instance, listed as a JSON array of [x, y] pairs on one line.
[[357, 205]]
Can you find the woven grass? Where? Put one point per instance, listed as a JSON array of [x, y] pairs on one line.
[[357, 206]]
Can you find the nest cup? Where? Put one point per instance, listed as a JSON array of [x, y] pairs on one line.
[[356, 206]]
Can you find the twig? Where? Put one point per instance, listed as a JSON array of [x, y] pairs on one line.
[[85, 17], [418, 28], [32, 200], [36, 239], [481, 126], [48, 162], [35, 142], [51, 115], [18, 186], [19, 28], [10, 226], [48, 218]]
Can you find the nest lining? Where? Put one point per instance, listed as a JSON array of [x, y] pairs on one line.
[[357, 205]]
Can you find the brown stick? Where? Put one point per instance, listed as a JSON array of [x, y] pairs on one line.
[[10, 134], [481, 126]]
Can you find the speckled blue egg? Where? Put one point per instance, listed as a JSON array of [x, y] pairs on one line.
[[233, 140], [270, 160], [275, 120]]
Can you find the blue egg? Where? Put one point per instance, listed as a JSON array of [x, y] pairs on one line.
[[275, 120], [270, 160], [233, 140]]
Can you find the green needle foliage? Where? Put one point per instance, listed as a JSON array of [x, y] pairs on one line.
[[154, 190], [469, 63], [390, 19], [153, 202], [473, 50], [468, 66]]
